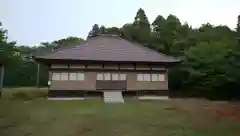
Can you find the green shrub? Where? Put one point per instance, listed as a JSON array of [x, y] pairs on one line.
[[28, 95], [20, 96]]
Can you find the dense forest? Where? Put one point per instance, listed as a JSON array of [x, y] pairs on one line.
[[210, 54]]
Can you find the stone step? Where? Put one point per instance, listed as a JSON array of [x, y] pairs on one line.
[[113, 97]]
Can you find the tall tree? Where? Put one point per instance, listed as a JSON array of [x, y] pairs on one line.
[[165, 32], [6, 48], [157, 35], [238, 30], [102, 29], [94, 32], [172, 26], [142, 27], [7, 53], [158, 24], [69, 41], [129, 32], [113, 30], [184, 39]]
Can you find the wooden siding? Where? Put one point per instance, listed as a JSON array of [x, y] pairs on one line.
[[80, 66], [130, 84], [111, 85], [111, 66], [133, 84], [88, 84], [143, 67], [131, 79], [157, 67], [59, 66], [94, 66], [126, 67]]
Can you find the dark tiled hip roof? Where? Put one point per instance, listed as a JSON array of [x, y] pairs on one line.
[[109, 48]]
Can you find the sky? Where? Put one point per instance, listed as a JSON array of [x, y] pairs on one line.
[[30, 22]]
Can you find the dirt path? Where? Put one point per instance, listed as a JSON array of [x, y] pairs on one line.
[[215, 109]]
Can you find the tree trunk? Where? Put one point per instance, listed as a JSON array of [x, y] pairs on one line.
[[38, 72], [1, 78]]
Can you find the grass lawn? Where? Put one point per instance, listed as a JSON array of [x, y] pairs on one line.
[[133, 118]]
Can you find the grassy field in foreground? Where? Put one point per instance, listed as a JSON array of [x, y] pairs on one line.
[[94, 118]]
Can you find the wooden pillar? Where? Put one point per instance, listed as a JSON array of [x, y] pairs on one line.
[[49, 80]]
